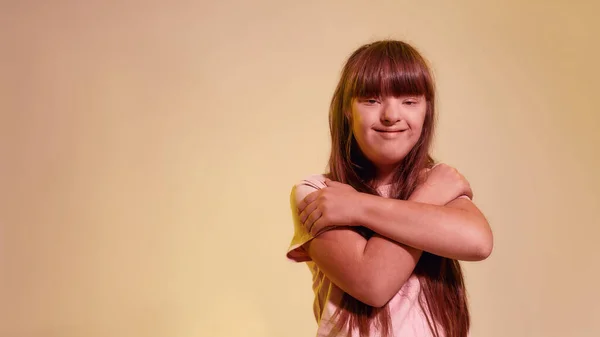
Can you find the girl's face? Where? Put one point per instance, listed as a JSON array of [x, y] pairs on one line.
[[387, 128]]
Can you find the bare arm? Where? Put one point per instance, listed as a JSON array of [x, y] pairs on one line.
[[457, 230], [434, 219], [372, 271]]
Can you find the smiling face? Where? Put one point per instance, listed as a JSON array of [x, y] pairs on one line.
[[387, 128], [381, 117]]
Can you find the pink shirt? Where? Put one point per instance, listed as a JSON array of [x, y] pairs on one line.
[[408, 316]]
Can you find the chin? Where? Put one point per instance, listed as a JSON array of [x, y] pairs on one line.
[[388, 160]]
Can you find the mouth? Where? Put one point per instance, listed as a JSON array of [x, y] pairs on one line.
[[390, 131], [390, 134]]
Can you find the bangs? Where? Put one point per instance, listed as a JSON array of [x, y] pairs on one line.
[[390, 70]]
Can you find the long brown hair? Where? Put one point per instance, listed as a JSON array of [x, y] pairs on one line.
[[396, 68]]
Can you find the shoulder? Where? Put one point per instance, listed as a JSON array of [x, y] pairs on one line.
[[307, 185], [316, 181]]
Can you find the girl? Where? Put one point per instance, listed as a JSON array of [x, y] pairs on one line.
[[383, 231]]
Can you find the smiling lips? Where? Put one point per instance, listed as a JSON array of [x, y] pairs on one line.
[[389, 133]]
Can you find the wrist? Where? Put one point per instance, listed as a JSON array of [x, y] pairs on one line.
[[361, 209], [369, 208]]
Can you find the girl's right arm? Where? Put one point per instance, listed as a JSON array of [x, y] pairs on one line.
[[372, 273]]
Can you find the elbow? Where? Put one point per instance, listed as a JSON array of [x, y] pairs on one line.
[[370, 296], [378, 293], [378, 301], [484, 244], [483, 251], [374, 299]]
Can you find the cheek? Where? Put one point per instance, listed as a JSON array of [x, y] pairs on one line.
[[416, 123], [418, 129], [358, 125], [360, 133]]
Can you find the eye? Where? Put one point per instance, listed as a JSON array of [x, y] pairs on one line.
[[370, 101], [411, 102]]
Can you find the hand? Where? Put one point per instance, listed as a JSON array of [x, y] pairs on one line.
[[442, 184], [333, 206]]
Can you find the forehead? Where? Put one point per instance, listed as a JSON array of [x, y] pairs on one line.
[[388, 74]]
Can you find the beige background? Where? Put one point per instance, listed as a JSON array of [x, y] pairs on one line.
[[148, 150]]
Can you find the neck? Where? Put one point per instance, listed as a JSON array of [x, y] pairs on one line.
[[385, 175]]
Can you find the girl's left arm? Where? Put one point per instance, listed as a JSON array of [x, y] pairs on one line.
[[457, 230]]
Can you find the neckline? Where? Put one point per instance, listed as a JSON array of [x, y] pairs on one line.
[[384, 190]]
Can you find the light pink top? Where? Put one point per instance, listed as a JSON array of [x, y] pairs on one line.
[[408, 317]]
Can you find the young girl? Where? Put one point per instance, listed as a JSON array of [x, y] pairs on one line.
[[383, 231]]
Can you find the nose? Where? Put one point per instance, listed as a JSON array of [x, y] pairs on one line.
[[390, 115]]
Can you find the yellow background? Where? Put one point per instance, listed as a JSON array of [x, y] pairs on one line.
[[148, 150]]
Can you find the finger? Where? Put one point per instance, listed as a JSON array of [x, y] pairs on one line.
[[307, 200], [469, 193], [307, 211], [320, 228], [317, 227], [301, 205], [312, 218], [320, 225], [465, 189]]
